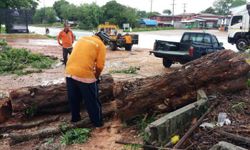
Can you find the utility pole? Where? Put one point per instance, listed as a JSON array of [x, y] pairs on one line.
[[184, 8], [151, 6], [173, 12]]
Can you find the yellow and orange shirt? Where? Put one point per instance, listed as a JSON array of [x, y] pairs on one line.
[[87, 59]]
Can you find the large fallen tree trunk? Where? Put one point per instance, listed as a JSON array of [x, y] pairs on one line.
[[53, 97], [218, 72]]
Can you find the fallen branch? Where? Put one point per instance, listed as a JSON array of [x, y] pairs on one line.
[[143, 145], [108, 110], [190, 131], [4, 128], [235, 137]]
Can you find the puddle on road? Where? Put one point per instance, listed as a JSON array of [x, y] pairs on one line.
[[40, 42]]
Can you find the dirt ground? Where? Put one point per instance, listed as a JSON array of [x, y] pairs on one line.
[[115, 60]]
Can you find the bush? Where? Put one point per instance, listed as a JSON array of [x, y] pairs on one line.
[[14, 61], [75, 136], [3, 43], [130, 70]]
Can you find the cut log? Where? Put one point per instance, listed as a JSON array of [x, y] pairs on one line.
[[44, 98], [221, 71], [25, 125], [5, 109], [108, 110]]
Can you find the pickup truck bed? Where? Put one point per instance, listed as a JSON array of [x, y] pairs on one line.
[[192, 46]]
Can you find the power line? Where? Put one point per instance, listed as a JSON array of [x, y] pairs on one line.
[[173, 12], [184, 7], [151, 6], [173, 7]]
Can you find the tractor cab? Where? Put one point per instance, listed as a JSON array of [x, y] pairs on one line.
[[109, 29]]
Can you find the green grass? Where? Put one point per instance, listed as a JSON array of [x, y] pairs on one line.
[[3, 30], [3, 43], [130, 70], [132, 147], [21, 61], [57, 24], [141, 124], [150, 29], [248, 83], [51, 37], [75, 136]]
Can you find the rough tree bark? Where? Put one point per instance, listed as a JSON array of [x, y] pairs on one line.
[[53, 98], [5, 109], [217, 72]]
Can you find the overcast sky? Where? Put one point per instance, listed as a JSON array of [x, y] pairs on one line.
[[192, 6]]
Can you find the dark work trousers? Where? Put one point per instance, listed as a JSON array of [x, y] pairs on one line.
[[66, 52], [78, 91]]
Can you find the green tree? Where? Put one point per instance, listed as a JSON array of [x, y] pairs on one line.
[[116, 13], [5, 4], [18, 3], [167, 12], [59, 8], [89, 16], [142, 14], [150, 14], [70, 12], [222, 7], [209, 10], [45, 15]]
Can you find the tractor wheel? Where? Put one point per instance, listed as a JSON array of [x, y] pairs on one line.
[[128, 47], [113, 46]]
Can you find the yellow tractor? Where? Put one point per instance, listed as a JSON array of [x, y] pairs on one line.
[[117, 39]]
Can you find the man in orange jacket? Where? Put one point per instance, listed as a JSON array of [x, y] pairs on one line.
[[128, 41], [83, 69], [66, 39]]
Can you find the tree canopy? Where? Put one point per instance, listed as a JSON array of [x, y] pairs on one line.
[[209, 10], [18, 3], [89, 16], [45, 15], [167, 12], [222, 7]]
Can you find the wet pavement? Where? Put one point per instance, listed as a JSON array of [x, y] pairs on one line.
[[146, 39]]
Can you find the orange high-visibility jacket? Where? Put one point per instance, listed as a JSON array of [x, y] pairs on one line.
[[128, 39], [87, 58], [67, 38]]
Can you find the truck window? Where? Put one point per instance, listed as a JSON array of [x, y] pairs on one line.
[[236, 19], [199, 38], [185, 38], [207, 39], [215, 42]]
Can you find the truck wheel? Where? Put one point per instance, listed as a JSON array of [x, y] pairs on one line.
[[167, 63], [113, 46], [128, 47], [242, 45]]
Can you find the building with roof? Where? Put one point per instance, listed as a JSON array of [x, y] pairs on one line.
[[189, 20], [148, 22]]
